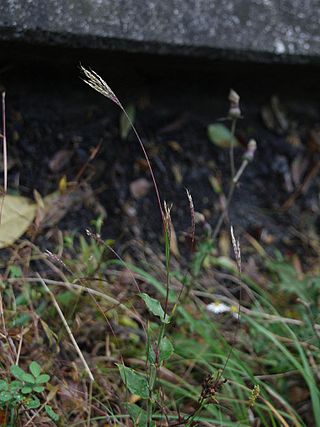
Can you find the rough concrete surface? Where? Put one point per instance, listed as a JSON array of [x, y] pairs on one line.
[[273, 30]]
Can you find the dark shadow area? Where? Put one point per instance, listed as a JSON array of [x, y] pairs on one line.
[[50, 109]]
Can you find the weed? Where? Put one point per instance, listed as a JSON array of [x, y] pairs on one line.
[[22, 393]]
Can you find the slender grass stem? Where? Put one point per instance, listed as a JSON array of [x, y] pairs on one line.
[[65, 323], [231, 153]]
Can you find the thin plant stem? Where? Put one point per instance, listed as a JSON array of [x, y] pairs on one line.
[[233, 185], [98, 84], [5, 155], [233, 131], [167, 256], [90, 403], [69, 285], [147, 160], [36, 414], [65, 323], [19, 349]]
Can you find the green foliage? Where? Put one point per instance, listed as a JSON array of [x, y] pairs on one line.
[[22, 392], [135, 382], [138, 416], [155, 308], [221, 136], [51, 413]]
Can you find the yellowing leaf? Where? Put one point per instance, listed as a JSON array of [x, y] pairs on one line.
[[63, 183], [17, 215]]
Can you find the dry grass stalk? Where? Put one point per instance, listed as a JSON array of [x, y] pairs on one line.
[[74, 342], [97, 83], [193, 219]]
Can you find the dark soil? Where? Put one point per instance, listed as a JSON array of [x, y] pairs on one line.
[[50, 109]]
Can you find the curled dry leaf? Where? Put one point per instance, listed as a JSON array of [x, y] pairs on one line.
[[60, 160], [17, 215], [139, 188]]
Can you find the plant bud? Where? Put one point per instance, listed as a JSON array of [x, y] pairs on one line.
[[234, 110], [251, 149]]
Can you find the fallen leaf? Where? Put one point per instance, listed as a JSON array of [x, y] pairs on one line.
[[63, 183], [299, 167], [60, 160], [176, 170], [224, 243], [139, 188], [215, 184], [17, 215], [175, 146], [221, 136]]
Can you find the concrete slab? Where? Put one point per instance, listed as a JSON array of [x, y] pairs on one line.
[[258, 30]]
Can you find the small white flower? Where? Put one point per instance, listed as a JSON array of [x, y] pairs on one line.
[[218, 307]]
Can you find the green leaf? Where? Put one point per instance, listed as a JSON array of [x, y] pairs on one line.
[[38, 388], [15, 386], [44, 378], [155, 308], [166, 349], [221, 136], [138, 415], [125, 124], [26, 389], [34, 403], [5, 396], [135, 382], [4, 386], [51, 413], [28, 378], [35, 369], [15, 271], [17, 372]]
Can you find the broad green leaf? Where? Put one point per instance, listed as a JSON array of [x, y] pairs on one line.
[[51, 413], [43, 378], [35, 369], [4, 385], [135, 382], [17, 215], [5, 396], [15, 386], [166, 349], [28, 378], [17, 372], [221, 136], [26, 389], [155, 308], [34, 403], [125, 125], [38, 388]]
